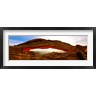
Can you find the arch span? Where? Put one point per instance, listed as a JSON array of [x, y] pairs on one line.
[[46, 47]]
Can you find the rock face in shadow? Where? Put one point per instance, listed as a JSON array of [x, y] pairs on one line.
[[21, 51]]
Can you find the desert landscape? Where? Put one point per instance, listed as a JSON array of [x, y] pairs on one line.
[[45, 49]]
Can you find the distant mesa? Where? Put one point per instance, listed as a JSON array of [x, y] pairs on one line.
[[22, 51]]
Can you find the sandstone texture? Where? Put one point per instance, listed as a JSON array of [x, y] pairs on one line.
[[21, 51]]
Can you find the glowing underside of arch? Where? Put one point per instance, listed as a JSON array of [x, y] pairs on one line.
[[48, 48]]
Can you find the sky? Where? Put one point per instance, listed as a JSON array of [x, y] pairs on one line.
[[73, 40]]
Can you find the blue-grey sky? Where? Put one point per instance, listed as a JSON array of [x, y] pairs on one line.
[[21, 38], [78, 39], [14, 40]]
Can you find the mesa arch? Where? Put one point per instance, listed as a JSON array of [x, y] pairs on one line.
[[45, 44], [26, 49], [22, 50]]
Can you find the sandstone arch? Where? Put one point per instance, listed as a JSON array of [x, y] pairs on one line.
[[22, 50]]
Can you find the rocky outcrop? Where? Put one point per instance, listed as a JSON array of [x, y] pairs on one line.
[[42, 43], [21, 51]]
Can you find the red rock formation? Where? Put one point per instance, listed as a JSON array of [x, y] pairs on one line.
[[42, 43], [21, 51]]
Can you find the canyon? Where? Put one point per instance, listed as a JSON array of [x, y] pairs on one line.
[[42, 49]]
